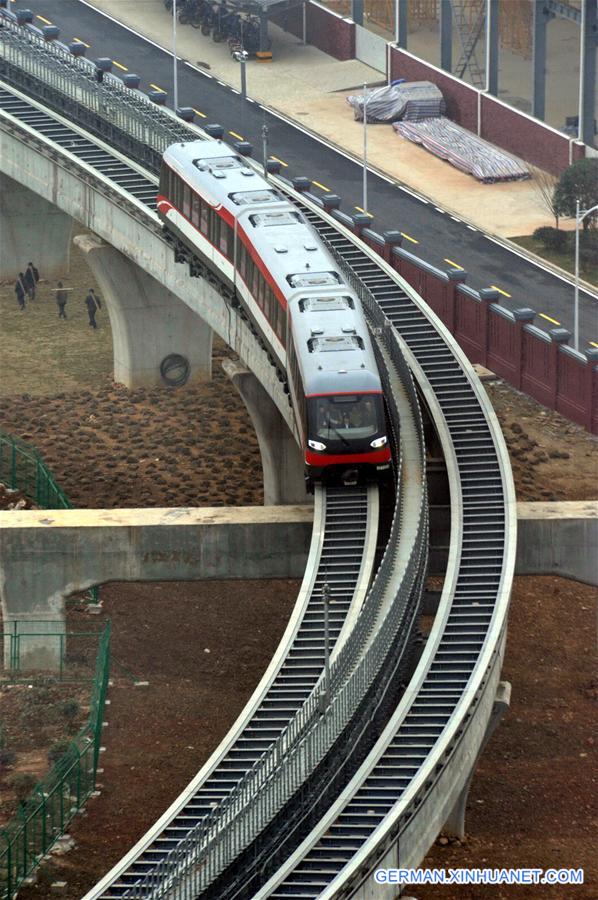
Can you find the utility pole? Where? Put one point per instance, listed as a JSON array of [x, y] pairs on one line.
[[365, 151], [176, 74]]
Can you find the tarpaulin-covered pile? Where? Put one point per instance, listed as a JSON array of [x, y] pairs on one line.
[[411, 101], [463, 149]]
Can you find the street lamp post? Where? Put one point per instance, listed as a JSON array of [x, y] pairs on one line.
[[579, 217], [365, 151], [265, 148], [174, 59], [242, 56]]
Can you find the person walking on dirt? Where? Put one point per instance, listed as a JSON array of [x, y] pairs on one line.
[[20, 291], [61, 298], [31, 279], [93, 303]]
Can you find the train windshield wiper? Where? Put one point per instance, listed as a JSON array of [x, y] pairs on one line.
[[337, 433]]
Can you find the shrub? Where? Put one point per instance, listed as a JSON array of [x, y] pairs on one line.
[[58, 750], [7, 758], [70, 710], [552, 238], [22, 784]]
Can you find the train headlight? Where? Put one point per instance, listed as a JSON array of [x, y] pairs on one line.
[[379, 442], [317, 445]]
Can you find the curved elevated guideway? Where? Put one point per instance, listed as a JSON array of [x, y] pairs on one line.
[[328, 773]]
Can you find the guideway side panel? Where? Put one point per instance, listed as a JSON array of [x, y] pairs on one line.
[[31, 228], [149, 323]]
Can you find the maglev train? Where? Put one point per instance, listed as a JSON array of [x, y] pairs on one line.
[[272, 259]]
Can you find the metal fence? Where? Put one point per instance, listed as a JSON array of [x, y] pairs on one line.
[[373, 658], [44, 816], [23, 469]]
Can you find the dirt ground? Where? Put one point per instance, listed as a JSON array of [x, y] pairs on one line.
[[533, 798], [203, 649]]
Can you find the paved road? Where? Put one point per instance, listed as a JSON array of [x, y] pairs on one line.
[[487, 263]]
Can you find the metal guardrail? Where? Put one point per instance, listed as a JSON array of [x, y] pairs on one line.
[[43, 817], [125, 117]]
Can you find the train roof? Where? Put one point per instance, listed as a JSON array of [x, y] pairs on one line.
[[331, 336]]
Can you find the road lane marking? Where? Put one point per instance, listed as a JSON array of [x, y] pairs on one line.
[[119, 65], [549, 318], [500, 290], [456, 265], [238, 136], [323, 186], [437, 208], [593, 343], [198, 113], [45, 21], [281, 161], [371, 215], [409, 238], [158, 88], [471, 228], [455, 219], [79, 41]]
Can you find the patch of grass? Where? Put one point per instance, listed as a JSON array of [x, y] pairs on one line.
[[41, 354], [566, 259]]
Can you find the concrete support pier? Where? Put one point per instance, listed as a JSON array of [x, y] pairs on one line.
[[149, 323], [32, 229], [282, 461], [455, 824], [45, 555]]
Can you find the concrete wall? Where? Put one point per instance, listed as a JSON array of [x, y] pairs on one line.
[[326, 30], [558, 539]]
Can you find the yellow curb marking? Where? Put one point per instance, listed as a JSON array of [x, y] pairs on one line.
[[549, 318]]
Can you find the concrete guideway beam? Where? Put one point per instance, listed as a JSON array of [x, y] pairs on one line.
[[148, 321], [282, 460], [46, 555], [32, 228]]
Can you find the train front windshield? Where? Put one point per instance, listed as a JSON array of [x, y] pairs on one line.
[[354, 420]]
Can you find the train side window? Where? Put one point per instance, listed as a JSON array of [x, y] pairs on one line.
[[214, 228], [204, 219], [163, 189], [186, 201], [195, 206], [225, 239]]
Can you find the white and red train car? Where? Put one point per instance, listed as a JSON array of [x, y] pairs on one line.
[[218, 206]]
